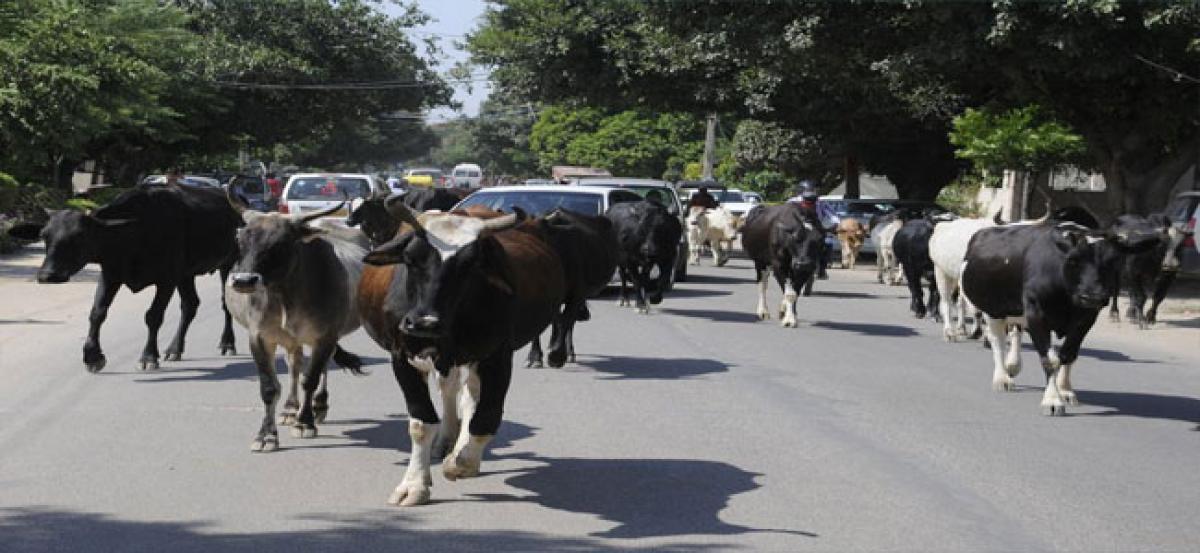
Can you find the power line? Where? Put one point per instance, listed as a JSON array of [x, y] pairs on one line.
[[1176, 74]]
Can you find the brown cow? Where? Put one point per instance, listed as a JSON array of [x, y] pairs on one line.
[[851, 234]]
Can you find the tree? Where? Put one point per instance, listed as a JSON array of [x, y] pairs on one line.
[[500, 137], [630, 142]]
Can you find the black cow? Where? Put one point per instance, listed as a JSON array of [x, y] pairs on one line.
[[912, 252], [371, 215], [786, 240], [161, 236], [1075, 214], [648, 238], [587, 246], [421, 198], [468, 294], [1153, 270], [1047, 277]]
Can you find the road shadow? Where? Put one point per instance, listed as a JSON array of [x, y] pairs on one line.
[[29, 322], [38, 529], [842, 295], [237, 368], [1149, 406], [1184, 323], [646, 498], [716, 315], [678, 292], [651, 368], [1096, 353], [868, 329], [695, 278], [392, 434]]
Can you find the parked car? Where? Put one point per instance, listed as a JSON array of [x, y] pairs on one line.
[[1184, 210], [308, 192], [186, 180], [466, 175], [424, 176], [645, 188], [736, 201]]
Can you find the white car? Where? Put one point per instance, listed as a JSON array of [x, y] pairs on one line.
[[308, 192], [736, 201], [466, 175]]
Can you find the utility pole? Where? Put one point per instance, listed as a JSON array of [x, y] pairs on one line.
[[710, 147]]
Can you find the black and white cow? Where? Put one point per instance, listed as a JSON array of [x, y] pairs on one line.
[[161, 236], [787, 241], [587, 247], [912, 252], [648, 239], [1053, 277], [1153, 270], [295, 285], [466, 293]]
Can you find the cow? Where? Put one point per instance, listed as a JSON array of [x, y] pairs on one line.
[[883, 229], [912, 251], [421, 198], [161, 236], [372, 217], [466, 293], [1074, 214], [1047, 277], [1152, 270], [947, 248], [785, 240], [648, 239], [851, 234], [587, 248], [294, 285], [716, 227]]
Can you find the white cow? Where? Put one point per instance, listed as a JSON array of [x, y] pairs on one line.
[[717, 227], [882, 235], [947, 248]]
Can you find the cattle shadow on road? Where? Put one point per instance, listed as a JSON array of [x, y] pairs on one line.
[[1184, 323], [29, 322], [651, 368], [678, 292], [1148, 406], [716, 315], [392, 434], [843, 295], [869, 329], [698, 278], [645, 497], [38, 529], [236, 368], [1100, 355]]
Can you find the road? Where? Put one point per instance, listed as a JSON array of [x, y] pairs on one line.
[[693, 428]]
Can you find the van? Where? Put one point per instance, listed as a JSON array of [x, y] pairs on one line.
[[466, 175]]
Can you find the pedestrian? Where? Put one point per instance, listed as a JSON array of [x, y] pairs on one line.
[[702, 199]]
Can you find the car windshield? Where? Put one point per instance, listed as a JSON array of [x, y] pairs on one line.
[[536, 203], [666, 195], [727, 196], [328, 188]]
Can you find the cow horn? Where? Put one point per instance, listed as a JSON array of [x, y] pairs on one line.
[[323, 213], [234, 201], [502, 222], [402, 212], [997, 217]]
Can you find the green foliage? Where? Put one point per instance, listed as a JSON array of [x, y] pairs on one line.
[[773, 185], [693, 171], [82, 204], [500, 137], [632, 142], [959, 197], [1018, 139], [8, 193]]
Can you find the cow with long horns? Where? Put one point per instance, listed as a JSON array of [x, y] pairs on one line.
[[464, 294], [295, 285]]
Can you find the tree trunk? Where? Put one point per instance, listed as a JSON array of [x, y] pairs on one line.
[[852, 189], [1131, 191]]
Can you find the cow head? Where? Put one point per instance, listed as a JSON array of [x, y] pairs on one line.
[[1092, 257], [452, 261], [371, 215], [802, 240], [73, 239], [268, 244], [1173, 238], [659, 250]]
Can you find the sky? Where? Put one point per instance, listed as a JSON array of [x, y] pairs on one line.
[[451, 20]]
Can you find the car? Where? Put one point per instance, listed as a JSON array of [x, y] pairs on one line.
[[466, 175], [644, 188], [254, 190], [308, 192], [424, 176], [532, 182], [1183, 211], [736, 201], [186, 180], [835, 208]]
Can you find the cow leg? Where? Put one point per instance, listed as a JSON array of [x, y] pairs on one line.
[[321, 398], [949, 332], [721, 252], [423, 426], [624, 301], [1137, 300], [347, 360], [788, 307], [694, 246], [534, 359], [189, 301], [450, 386], [916, 303], [267, 438], [487, 386], [560, 334], [845, 254], [640, 282], [154, 319], [879, 265], [1068, 354], [764, 277], [1012, 363], [1001, 379], [295, 364], [1161, 285], [306, 420], [935, 298], [1114, 314], [226, 344], [1052, 400], [106, 290]]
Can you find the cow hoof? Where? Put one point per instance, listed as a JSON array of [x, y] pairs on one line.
[[1114, 317], [409, 494], [1003, 384], [228, 349], [304, 431], [96, 365], [1054, 408], [643, 310], [763, 315], [789, 323], [287, 419], [1013, 369], [1069, 397], [454, 467], [556, 360], [534, 364], [173, 356], [148, 364], [319, 414], [265, 444]]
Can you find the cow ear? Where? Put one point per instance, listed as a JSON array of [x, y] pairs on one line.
[[26, 231]]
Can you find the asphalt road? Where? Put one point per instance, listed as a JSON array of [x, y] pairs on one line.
[[693, 428]]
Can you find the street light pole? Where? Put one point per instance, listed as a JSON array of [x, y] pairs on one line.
[[710, 147]]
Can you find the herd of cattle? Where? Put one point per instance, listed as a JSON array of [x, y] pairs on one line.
[[450, 295]]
